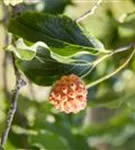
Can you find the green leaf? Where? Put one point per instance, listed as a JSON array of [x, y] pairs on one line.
[[44, 70], [69, 51], [24, 50], [63, 36]]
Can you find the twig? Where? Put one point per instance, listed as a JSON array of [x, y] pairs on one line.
[[20, 117], [89, 12], [113, 73], [111, 53], [19, 84]]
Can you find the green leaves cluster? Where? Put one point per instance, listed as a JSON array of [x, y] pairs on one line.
[[63, 47]]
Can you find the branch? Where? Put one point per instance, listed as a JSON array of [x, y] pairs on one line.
[[111, 53], [89, 12], [19, 84], [115, 72]]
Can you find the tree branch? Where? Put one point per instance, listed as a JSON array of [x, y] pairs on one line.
[[19, 84], [89, 12]]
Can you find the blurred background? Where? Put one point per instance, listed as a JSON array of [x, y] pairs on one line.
[[108, 122]]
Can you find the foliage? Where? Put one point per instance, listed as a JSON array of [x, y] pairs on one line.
[[69, 45]]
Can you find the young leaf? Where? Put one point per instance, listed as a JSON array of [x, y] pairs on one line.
[[24, 50]]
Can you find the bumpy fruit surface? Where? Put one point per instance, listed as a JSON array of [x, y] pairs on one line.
[[69, 94]]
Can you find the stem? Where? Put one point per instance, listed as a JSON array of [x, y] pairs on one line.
[[121, 49], [89, 12], [19, 84], [113, 73]]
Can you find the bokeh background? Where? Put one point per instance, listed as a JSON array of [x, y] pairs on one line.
[[108, 122]]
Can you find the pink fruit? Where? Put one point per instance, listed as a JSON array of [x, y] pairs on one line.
[[69, 94]]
